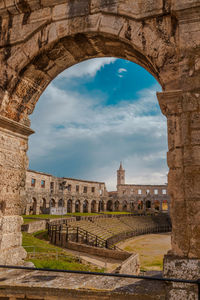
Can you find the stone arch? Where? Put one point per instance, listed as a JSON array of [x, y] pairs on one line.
[[61, 203], [77, 206], [132, 206], [140, 205], [148, 204], [52, 203], [34, 206], [101, 206], [69, 206], [116, 205], [59, 44], [157, 205], [109, 205], [165, 205], [125, 206], [93, 206], [85, 206], [35, 50], [44, 206]]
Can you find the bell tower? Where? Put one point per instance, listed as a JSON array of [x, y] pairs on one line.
[[120, 175]]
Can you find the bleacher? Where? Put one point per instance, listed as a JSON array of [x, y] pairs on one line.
[[108, 227]]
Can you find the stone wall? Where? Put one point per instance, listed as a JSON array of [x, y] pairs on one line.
[[131, 264], [46, 193], [34, 226]]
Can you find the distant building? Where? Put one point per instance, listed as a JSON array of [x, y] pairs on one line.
[[46, 194], [137, 197], [49, 194]]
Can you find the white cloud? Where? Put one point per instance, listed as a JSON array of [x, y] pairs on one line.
[[122, 70], [86, 68], [78, 136]]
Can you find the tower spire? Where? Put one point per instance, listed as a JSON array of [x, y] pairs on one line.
[[120, 175]]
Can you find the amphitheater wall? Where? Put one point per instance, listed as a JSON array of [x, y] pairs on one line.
[[34, 226]]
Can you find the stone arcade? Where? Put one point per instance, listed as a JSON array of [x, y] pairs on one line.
[[49, 194], [41, 38]]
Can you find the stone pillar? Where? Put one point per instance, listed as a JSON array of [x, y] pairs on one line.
[[120, 206], [81, 206], [160, 207], [89, 207], [168, 207], [73, 206], [13, 165], [182, 110]]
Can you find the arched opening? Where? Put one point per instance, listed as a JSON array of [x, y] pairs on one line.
[[61, 203], [125, 206], [34, 209], [116, 205], [157, 205], [93, 206], [44, 206], [165, 205], [101, 206], [140, 205], [52, 203], [132, 206], [148, 204], [69, 206], [85, 206], [77, 206], [109, 206]]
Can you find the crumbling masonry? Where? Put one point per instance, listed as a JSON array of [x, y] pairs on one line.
[[41, 38]]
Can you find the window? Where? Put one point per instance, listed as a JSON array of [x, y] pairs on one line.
[[33, 181], [147, 191], [77, 188], [155, 192], [124, 192], [139, 192], [93, 189], [132, 191], [85, 189], [42, 183], [164, 192], [100, 192], [60, 186], [69, 187]]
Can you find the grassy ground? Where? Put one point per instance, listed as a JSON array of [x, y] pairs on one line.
[[116, 213], [31, 217], [45, 255], [151, 249]]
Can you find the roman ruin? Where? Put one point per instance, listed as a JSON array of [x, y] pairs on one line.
[[49, 194], [40, 38]]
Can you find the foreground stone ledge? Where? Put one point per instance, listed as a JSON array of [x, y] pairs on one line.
[[19, 284], [181, 268]]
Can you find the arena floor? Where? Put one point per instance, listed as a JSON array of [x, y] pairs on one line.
[[151, 249]]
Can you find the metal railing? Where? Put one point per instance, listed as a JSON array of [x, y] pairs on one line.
[[186, 281], [79, 235]]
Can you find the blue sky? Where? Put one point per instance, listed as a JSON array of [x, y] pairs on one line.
[[96, 114]]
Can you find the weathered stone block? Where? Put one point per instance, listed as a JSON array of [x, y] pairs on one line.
[[141, 8]]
